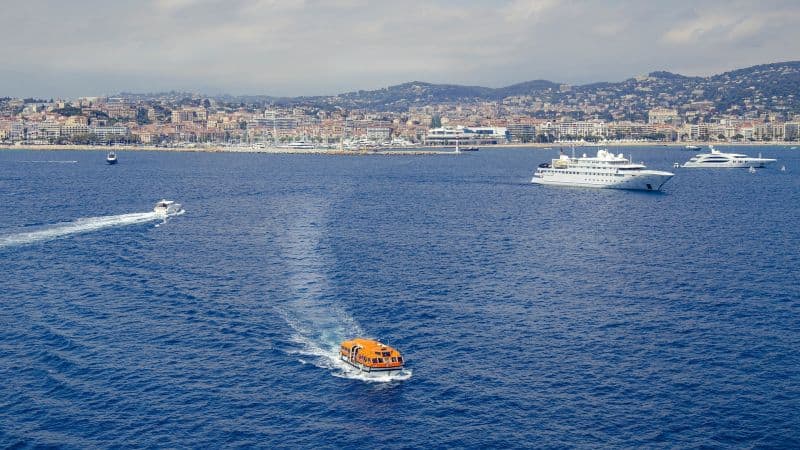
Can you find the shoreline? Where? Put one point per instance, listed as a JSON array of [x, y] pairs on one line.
[[382, 151]]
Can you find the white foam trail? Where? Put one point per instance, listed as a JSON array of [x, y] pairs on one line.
[[50, 162], [319, 324], [78, 226]]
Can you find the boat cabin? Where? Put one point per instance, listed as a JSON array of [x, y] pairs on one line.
[[370, 354]]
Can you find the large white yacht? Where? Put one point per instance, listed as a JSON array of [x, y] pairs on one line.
[[606, 170], [718, 159]]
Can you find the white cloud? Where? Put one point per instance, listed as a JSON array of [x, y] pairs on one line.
[[522, 10], [732, 25], [295, 47]]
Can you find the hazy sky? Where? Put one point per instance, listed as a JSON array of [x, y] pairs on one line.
[[308, 47]]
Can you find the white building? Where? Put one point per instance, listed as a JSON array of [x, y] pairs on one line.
[[581, 128], [467, 135], [379, 133], [107, 131]]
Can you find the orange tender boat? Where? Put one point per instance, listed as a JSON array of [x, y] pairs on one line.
[[371, 356]]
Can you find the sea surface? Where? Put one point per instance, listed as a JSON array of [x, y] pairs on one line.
[[529, 316]]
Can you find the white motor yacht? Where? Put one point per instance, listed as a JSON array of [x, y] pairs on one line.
[[717, 158], [606, 170], [166, 208]]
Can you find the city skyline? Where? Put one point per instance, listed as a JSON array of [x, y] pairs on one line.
[[302, 47]]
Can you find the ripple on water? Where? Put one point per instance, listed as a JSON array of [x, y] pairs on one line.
[[528, 316]]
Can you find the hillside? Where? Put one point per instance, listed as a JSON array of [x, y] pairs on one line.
[[769, 87], [752, 91]]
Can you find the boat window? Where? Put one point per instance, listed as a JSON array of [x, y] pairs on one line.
[[394, 359], [386, 353], [374, 360], [400, 359]]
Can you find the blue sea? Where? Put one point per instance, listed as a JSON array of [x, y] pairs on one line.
[[529, 316]]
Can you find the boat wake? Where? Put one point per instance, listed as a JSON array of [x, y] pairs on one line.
[[318, 322], [84, 225], [175, 214], [49, 162]]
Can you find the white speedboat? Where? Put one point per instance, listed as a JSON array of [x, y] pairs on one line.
[[606, 170], [717, 158], [692, 147], [111, 158], [166, 208]]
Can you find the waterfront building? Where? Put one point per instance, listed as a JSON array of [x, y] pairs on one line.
[[519, 132], [697, 132], [74, 129], [18, 131], [49, 130], [379, 134], [581, 129], [629, 130], [104, 132], [762, 131], [467, 135], [791, 131]]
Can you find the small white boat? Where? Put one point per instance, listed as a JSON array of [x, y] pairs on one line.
[[300, 145], [752, 169], [783, 168], [692, 147], [111, 158], [166, 208]]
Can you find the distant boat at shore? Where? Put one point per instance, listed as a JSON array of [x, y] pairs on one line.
[[300, 145], [111, 158]]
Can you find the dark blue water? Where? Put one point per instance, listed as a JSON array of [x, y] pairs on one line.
[[530, 316]]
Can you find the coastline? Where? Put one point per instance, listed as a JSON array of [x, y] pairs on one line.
[[381, 151]]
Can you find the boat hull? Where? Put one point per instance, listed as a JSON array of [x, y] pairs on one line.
[[736, 164], [376, 372], [111, 161], [649, 180]]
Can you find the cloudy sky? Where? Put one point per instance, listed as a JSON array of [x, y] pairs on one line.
[[314, 47]]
